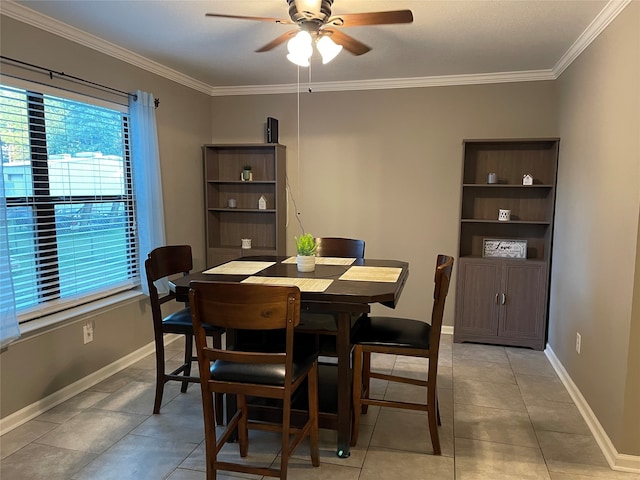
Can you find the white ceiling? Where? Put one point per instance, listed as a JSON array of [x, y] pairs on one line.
[[454, 41]]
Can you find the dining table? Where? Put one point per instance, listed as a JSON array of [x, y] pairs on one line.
[[341, 287]]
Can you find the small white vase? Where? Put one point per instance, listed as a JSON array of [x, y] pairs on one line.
[[306, 263]]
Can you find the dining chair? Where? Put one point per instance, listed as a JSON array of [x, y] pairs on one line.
[[163, 262], [273, 371], [402, 336], [339, 247], [323, 325]]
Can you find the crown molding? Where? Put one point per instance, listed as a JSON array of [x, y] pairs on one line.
[[31, 17], [389, 83], [35, 19], [604, 18], [253, 90]]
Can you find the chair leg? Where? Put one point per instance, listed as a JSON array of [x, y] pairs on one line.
[[432, 413], [159, 374], [313, 414], [219, 408], [366, 378], [285, 447], [211, 446], [188, 358], [243, 427], [357, 392], [219, 397]]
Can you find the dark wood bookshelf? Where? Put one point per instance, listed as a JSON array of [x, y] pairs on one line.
[[504, 300]]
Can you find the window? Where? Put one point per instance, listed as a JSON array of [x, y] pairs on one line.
[[66, 169]]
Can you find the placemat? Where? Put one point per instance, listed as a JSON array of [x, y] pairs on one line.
[[304, 284], [239, 268], [325, 260], [372, 274]]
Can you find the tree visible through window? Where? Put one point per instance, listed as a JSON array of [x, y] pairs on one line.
[[67, 178]]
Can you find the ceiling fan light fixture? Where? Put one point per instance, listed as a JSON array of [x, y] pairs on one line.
[[300, 49], [328, 49], [298, 60]]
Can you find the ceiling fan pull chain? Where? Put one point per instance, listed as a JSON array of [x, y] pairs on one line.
[[310, 90]]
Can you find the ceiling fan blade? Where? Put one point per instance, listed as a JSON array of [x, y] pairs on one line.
[[243, 17], [348, 43], [277, 41], [371, 18]]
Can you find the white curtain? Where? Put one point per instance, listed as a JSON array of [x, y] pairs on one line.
[[9, 329], [147, 180]]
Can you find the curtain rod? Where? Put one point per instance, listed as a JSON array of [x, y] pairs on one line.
[[64, 76]]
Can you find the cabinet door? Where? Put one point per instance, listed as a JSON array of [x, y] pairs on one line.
[[477, 307], [523, 312]]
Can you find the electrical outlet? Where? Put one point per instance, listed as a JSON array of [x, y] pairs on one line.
[[87, 329], [578, 342]]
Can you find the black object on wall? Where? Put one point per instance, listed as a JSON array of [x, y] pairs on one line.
[[272, 130]]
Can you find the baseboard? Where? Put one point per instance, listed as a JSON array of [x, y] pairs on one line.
[[29, 412], [447, 330], [617, 461]]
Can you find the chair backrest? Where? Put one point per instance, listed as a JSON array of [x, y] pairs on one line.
[[246, 307], [169, 260], [164, 262], [339, 247], [444, 267]]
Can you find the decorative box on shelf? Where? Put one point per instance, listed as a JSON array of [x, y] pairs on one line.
[[504, 248]]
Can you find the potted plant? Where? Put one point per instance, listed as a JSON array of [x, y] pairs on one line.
[[246, 173], [306, 248]]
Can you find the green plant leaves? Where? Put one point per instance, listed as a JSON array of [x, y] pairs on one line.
[[306, 244]]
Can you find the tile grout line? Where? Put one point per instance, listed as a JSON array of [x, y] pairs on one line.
[[535, 431]]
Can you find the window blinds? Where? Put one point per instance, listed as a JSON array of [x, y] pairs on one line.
[[70, 205]]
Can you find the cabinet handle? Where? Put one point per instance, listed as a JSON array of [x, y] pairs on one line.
[[497, 298], [503, 299]]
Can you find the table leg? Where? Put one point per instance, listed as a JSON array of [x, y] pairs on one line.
[[345, 405]]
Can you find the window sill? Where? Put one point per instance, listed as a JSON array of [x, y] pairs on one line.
[[57, 320]]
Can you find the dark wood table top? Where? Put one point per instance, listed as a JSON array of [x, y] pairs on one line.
[[340, 291]]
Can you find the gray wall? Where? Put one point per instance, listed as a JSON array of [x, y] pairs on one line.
[[39, 365], [385, 165], [595, 259]]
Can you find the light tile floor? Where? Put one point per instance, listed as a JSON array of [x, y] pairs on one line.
[[505, 415]]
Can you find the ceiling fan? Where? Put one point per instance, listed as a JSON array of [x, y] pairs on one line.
[[315, 23]]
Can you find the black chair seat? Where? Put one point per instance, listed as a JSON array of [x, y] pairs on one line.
[[393, 332], [180, 322], [261, 374]]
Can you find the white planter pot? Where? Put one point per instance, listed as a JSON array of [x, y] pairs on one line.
[[306, 263]]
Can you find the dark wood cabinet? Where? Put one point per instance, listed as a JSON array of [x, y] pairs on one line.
[[504, 300], [227, 225]]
